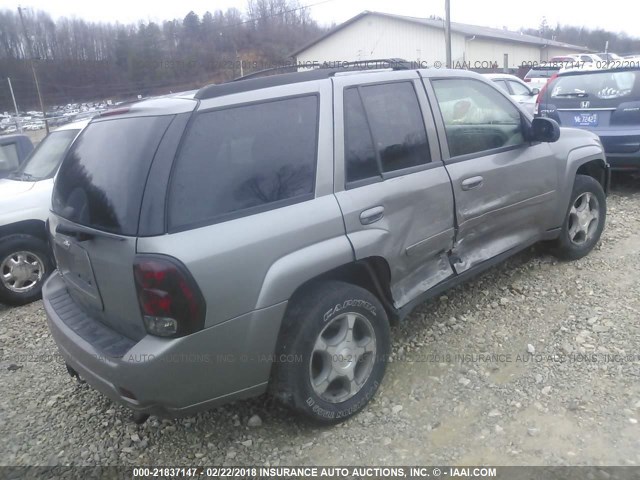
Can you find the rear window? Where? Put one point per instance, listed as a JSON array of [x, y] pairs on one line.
[[242, 160], [600, 85], [101, 180], [542, 72]]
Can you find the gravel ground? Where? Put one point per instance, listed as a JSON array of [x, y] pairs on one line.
[[535, 362]]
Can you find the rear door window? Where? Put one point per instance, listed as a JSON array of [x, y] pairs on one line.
[[102, 177], [502, 85], [360, 154], [518, 89], [245, 159], [397, 125], [384, 130]]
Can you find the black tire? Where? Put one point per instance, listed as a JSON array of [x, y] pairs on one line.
[[36, 249], [312, 314], [564, 247]]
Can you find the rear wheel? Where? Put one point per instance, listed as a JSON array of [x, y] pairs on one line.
[[24, 266], [584, 220], [332, 352]]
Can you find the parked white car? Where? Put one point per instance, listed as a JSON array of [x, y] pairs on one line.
[[516, 88], [25, 197], [587, 57]]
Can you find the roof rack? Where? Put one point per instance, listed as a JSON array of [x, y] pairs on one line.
[[272, 77]]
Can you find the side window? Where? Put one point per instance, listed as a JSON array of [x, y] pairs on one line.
[[397, 125], [518, 88], [502, 85], [384, 130], [8, 157], [245, 158], [359, 152], [476, 117]]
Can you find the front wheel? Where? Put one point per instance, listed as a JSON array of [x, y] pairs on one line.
[[24, 266], [333, 351], [584, 220]]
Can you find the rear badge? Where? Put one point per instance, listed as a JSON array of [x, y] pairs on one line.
[[585, 104]]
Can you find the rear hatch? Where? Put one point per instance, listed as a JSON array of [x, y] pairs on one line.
[[606, 102], [538, 76], [96, 210]]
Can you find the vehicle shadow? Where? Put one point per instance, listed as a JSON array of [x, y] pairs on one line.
[[625, 183]]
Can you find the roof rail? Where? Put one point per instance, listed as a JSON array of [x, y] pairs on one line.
[[374, 64], [267, 71], [284, 75]]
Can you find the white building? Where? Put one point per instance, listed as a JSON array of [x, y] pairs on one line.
[[374, 35]]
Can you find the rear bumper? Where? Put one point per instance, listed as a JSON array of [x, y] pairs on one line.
[[166, 377]]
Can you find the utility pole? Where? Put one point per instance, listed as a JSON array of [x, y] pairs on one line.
[[33, 69], [447, 30], [15, 105], [239, 61]]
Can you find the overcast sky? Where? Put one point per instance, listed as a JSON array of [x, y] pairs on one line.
[[615, 15]]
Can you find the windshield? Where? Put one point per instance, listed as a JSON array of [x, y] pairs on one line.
[[46, 158], [601, 85]]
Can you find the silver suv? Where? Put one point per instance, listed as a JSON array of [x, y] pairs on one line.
[[264, 234]]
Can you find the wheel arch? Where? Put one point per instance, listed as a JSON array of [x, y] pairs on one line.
[[587, 160], [36, 228], [371, 273], [597, 169]]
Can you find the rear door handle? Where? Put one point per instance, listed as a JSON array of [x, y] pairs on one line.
[[473, 182], [372, 215]]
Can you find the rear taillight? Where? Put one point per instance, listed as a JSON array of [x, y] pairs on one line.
[[170, 301], [536, 109]]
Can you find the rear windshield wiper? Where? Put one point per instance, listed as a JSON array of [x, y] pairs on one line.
[[572, 94]]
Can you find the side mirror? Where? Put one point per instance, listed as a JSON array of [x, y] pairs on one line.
[[535, 91], [544, 130]]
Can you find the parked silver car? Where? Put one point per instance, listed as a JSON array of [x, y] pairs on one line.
[[266, 233], [524, 95]]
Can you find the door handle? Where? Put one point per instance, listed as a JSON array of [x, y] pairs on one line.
[[473, 182], [372, 215]]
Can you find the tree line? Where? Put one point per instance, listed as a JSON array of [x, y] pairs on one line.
[[80, 61], [595, 39]]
